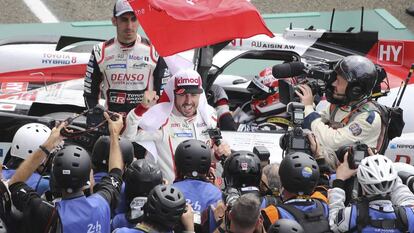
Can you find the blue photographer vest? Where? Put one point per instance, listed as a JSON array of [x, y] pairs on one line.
[[121, 206], [31, 182], [199, 194], [81, 214], [381, 215]]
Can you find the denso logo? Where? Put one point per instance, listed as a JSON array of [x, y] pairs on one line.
[[184, 81], [127, 77], [390, 52]]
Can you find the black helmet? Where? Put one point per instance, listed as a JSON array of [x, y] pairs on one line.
[[165, 205], [299, 173], [242, 169], [71, 168], [192, 157], [140, 178], [285, 226], [100, 152], [361, 75]]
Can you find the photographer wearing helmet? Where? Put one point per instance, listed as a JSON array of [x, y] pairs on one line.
[[26, 140], [192, 162], [140, 178], [164, 209], [299, 174], [380, 209], [70, 172], [351, 115]]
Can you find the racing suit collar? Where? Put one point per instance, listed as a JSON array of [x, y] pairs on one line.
[[129, 45]]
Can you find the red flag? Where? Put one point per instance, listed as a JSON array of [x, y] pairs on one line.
[[177, 25]]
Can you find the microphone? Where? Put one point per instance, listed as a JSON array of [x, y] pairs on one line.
[[289, 69]]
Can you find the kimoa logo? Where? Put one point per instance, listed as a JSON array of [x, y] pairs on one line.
[[182, 80]]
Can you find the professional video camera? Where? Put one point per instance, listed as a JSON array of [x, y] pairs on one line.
[[356, 152], [316, 76], [230, 194], [295, 140]]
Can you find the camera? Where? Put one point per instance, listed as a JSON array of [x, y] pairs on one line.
[[230, 194], [356, 152], [317, 77], [407, 179], [215, 135], [295, 140], [95, 119]]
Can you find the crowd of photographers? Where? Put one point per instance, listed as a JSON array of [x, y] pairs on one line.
[[330, 178]]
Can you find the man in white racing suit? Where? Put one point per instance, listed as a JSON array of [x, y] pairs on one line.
[[351, 116], [182, 113], [122, 68]]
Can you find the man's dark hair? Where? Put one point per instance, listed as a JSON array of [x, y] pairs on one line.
[[246, 211]]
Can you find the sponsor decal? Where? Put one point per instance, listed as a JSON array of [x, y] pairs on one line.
[[393, 146], [58, 59], [306, 172], [8, 107], [116, 66], [138, 58], [121, 56], [31, 96], [108, 58], [201, 124], [260, 44], [139, 66], [127, 77], [390, 53], [117, 97], [175, 125], [187, 81], [244, 166], [4, 148], [402, 146], [355, 129], [184, 134], [12, 87], [98, 50], [125, 98]]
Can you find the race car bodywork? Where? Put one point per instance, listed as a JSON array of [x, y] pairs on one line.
[[25, 85]]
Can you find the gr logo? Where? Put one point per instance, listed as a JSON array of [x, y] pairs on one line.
[[390, 53]]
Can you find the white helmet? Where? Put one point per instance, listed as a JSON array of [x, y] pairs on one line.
[[377, 175], [28, 138]]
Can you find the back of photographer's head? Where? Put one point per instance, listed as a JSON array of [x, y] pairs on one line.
[[140, 178], [377, 175], [299, 173], [285, 226], [245, 213], [164, 206], [242, 169], [100, 153], [360, 76], [192, 159], [71, 168]]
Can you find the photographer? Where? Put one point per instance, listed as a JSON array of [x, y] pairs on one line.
[[164, 209], [299, 174], [351, 116], [139, 178], [70, 173], [192, 161], [380, 209], [244, 216]]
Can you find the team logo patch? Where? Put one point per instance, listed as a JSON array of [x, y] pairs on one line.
[[307, 172], [244, 166], [393, 146], [355, 129]]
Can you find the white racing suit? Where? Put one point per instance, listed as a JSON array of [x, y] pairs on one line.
[[120, 74], [175, 130], [343, 219], [331, 132]]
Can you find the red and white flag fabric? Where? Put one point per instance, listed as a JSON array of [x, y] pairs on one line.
[[177, 25]]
